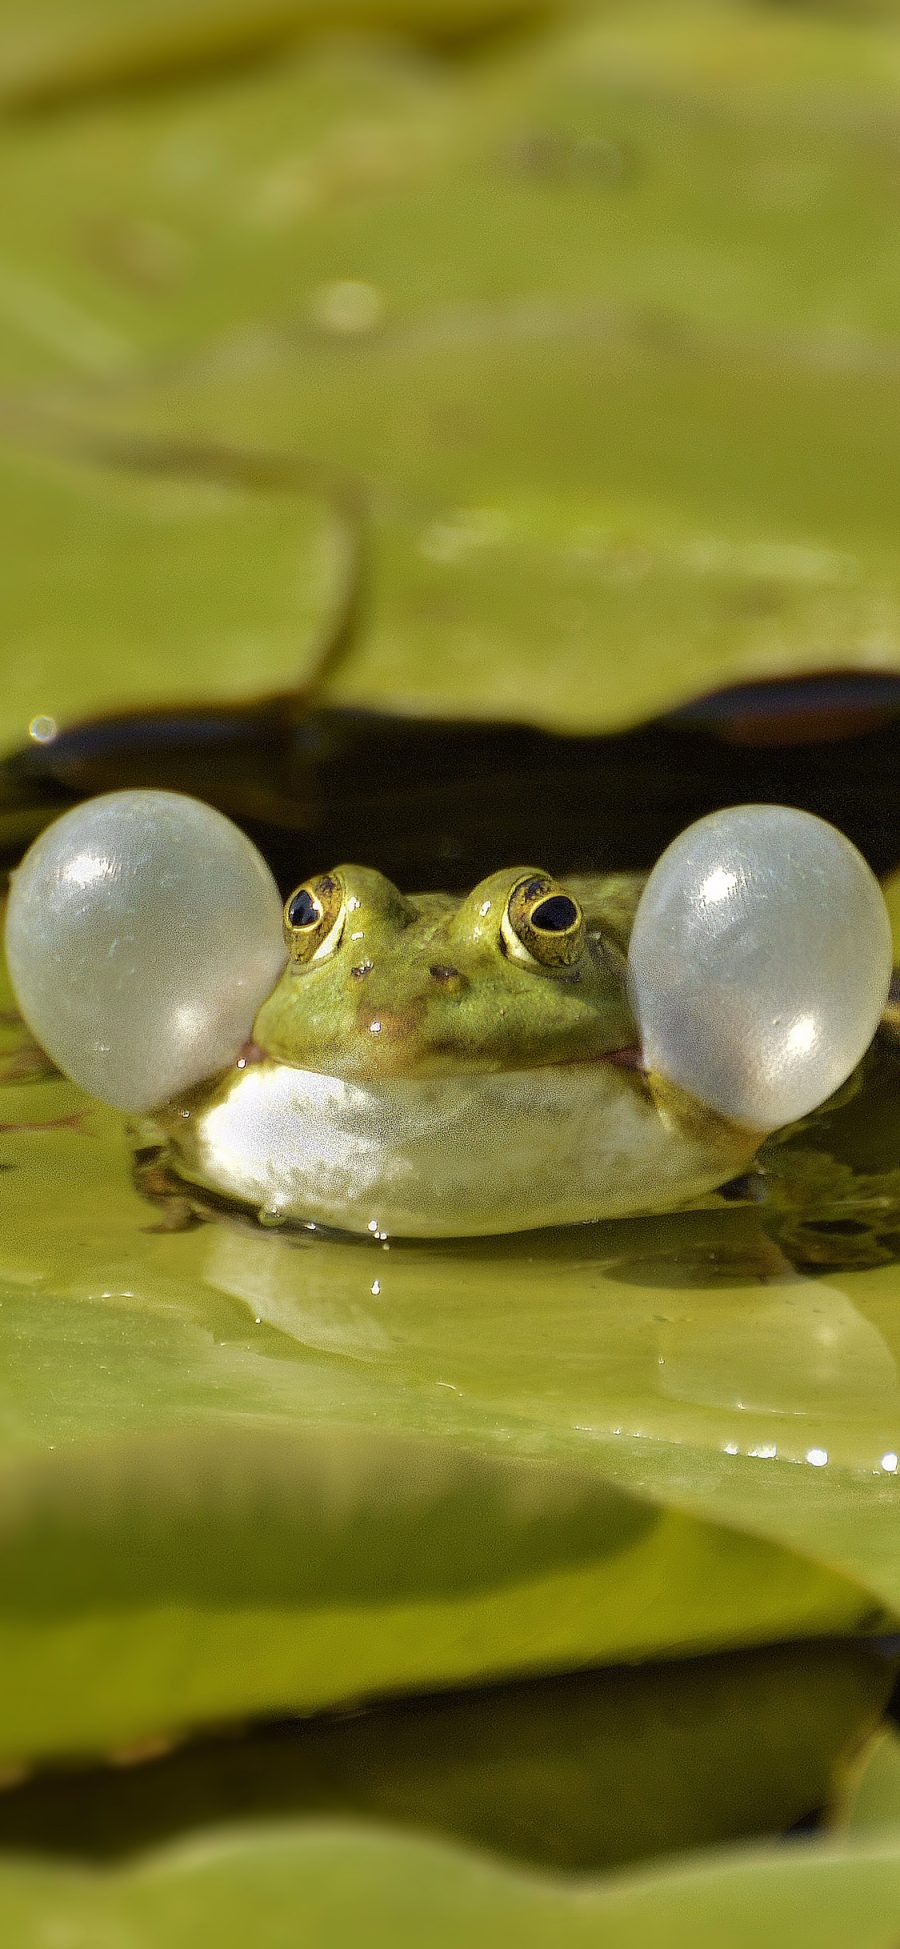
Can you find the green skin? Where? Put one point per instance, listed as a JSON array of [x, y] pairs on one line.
[[428, 1078], [440, 994]]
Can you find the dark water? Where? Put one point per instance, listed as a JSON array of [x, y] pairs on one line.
[[443, 803]]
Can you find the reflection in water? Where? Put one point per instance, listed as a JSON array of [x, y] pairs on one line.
[[272, 1275], [586, 1335], [796, 1347]]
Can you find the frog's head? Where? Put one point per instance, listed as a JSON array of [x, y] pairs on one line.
[[514, 976]]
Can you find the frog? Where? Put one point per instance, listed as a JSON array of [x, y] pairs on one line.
[[430, 1066], [536, 1051]]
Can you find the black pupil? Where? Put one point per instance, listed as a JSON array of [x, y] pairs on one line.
[[304, 910], [555, 915]]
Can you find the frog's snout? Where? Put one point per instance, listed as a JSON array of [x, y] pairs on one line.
[[390, 1026]]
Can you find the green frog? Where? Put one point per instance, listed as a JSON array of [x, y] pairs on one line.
[[430, 1067], [536, 1052]]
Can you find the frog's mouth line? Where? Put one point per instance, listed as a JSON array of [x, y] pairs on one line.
[[630, 1057]]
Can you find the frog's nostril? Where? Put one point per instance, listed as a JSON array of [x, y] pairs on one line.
[[448, 976]]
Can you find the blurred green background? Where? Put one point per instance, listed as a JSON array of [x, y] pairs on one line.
[[443, 432]]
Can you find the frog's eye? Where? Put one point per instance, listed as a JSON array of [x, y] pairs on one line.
[[759, 963], [542, 923], [314, 917], [143, 932]]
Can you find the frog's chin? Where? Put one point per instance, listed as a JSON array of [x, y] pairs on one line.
[[450, 1156]]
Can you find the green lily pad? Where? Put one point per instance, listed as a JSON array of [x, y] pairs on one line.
[[290, 190], [201, 1522], [576, 525], [344, 1885], [628, 438], [62, 51], [602, 602], [187, 214], [871, 1799], [116, 595], [871, 1802]]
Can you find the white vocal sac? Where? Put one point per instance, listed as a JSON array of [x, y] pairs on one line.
[[143, 932], [759, 963]]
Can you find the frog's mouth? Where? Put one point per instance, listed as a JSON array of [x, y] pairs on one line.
[[630, 1057]]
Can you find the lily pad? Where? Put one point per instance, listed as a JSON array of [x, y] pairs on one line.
[[603, 601], [871, 1799], [292, 189], [377, 1889], [63, 51], [116, 595], [201, 1521], [628, 438], [195, 212], [579, 518]]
